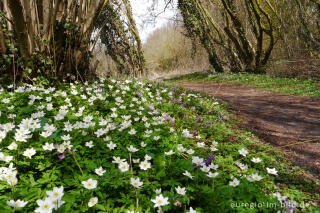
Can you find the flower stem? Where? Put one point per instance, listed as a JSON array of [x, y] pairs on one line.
[[130, 162], [136, 191], [75, 159], [197, 176], [137, 199]]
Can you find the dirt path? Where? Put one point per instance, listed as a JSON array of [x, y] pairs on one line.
[[277, 119]]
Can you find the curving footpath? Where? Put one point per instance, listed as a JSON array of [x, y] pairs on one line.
[[282, 120]]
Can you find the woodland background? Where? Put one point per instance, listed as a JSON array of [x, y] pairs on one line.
[[67, 40]]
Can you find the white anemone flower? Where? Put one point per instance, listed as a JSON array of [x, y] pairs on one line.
[[136, 183], [93, 201], [145, 165], [123, 166], [272, 171], [243, 152], [181, 191], [99, 171], [188, 174], [90, 184], [13, 146], [111, 145], [212, 175], [147, 157], [256, 177], [56, 193], [235, 182], [132, 149], [18, 203], [45, 206], [170, 152], [256, 160], [48, 146], [6, 158], [191, 210], [89, 144], [132, 132], [160, 201], [29, 152]]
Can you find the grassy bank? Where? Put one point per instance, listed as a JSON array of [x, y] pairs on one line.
[[290, 86]]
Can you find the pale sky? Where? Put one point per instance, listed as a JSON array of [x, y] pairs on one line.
[[140, 13]]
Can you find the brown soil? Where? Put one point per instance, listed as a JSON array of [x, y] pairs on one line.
[[282, 120]]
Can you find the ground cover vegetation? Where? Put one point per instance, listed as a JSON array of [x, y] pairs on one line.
[[132, 146]]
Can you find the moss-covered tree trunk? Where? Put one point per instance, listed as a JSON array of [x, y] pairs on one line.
[[199, 26], [237, 33], [134, 30]]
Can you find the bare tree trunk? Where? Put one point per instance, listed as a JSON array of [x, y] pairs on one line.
[[40, 11], [80, 12], [47, 13], [19, 27], [3, 48], [30, 25], [7, 13]]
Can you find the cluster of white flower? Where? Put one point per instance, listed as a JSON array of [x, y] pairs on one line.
[[52, 202], [213, 146], [254, 177], [24, 133], [5, 158], [3, 135], [186, 133], [9, 174], [243, 167]]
